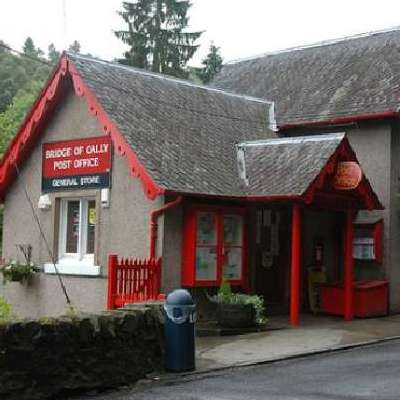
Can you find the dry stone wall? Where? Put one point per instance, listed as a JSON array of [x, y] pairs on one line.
[[46, 359]]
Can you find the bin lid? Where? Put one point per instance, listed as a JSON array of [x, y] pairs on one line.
[[179, 297]]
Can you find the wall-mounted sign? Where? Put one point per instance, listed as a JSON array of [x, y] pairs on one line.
[[348, 175], [76, 164]]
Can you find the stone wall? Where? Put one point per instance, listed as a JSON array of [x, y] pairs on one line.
[[45, 359]]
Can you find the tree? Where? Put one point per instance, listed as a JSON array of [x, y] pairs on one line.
[[52, 53], [30, 50], [12, 117], [212, 64], [156, 35], [75, 47]]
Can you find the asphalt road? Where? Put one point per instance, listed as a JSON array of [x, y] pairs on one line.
[[365, 373]]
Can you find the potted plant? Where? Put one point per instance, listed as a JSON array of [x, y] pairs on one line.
[[15, 271], [238, 310]]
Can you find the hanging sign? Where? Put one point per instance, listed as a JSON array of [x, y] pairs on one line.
[[76, 164], [348, 175]]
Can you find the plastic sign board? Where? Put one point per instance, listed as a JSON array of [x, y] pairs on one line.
[[76, 164], [348, 175]]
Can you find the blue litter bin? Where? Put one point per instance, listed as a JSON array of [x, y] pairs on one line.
[[179, 331]]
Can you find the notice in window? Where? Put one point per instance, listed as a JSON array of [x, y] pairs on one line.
[[206, 264]]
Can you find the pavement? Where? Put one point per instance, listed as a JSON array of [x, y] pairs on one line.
[[225, 361], [364, 373], [314, 335]]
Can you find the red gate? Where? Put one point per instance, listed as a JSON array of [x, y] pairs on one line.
[[132, 281]]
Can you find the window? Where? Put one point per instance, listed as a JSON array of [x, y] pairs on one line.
[[77, 230], [213, 246], [76, 239], [367, 242]]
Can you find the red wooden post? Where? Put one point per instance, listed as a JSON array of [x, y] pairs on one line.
[[112, 280], [348, 268], [295, 266]]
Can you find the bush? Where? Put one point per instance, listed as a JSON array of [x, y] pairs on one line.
[[5, 310], [225, 296]]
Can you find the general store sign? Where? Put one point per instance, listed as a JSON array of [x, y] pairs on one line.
[[348, 175], [76, 164]]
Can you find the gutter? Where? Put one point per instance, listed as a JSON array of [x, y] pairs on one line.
[[154, 225], [343, 120]]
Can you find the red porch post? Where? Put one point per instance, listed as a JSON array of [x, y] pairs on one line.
[[295, 266], [348, 267]]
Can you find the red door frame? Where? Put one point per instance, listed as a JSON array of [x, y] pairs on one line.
[[190, 245]]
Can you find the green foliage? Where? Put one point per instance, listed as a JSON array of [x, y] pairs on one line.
[[212, 64], [71, 312], [52, 53], [226, 296], [157, 37], [75, 47], [17, 272], [11, 119], [18, 72], [6, 313]]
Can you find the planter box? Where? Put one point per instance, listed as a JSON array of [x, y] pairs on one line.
[[236, 315]]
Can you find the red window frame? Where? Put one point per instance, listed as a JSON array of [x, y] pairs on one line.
[[190, 246], [375, 232]]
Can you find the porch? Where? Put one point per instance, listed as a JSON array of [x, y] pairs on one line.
[[295, 223]]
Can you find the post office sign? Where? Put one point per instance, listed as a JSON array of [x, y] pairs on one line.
[[76, 164]]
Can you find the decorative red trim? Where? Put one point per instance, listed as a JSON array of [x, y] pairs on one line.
[[151, 189], [28, 133], [344, 152], [342, 120]]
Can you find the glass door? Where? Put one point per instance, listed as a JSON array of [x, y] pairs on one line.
[[206, 246], [232, 249]]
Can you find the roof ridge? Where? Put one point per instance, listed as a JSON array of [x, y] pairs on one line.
[[169, 78], [321, 43]]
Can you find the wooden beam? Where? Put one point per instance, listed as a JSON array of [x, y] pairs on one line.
[[295, 266]]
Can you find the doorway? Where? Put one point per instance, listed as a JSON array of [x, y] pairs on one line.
[[272, 257]]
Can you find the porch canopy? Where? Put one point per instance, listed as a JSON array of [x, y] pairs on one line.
[[321, 171]]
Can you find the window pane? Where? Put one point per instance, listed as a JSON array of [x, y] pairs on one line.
[[233, 263], [233, 230], [73, 222], [206, 228], [92, 220], [206, 263]]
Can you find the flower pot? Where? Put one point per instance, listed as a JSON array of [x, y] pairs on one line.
[[236, 315]]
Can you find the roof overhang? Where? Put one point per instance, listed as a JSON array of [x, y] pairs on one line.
[[341, 120], [32, 128]]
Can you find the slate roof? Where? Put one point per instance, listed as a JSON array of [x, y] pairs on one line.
[[348, 77], [285, 166], [183, 134]]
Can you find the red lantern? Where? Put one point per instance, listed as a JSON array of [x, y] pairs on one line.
[[348, 175]]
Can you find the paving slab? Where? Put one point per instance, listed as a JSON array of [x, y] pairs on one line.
[[315, 334]]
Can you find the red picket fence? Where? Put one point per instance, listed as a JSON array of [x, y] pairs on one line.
[[132, 281]]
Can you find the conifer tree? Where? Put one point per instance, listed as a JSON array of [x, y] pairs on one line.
[[156, 35], [75, 47], [52, 53], [212, 64]]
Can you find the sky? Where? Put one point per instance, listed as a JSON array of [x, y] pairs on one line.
[[241, 28]]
